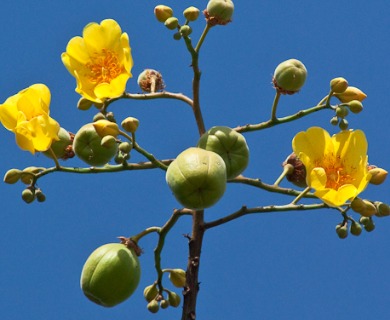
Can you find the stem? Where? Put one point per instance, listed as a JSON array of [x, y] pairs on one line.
[[202, 37], [54, 158], [287, 169], [195, 246], [301, 195], [275, 106]]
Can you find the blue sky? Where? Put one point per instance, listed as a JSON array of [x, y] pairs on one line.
[[270, 266]]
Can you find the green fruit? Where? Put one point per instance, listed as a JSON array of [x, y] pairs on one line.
[[110, 275], [230, 145], [290, 76], [59, 147], [87, 146], [197, 178]]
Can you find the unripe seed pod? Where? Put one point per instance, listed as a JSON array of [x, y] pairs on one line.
[[12, 176], [230, 145], [197, 178], [28, 195], [355, 106], [174, 299], [178, 277], [338, 85], [130, 124], [153, 306], [110, 275], [162, 12], [150, 292], [352, 93], [87, 146], [356, 228], [191, 13], [219, 12], [171, 23], [289, 76]]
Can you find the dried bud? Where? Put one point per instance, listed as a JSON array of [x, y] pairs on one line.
[[171, 23], [378, 175], [338, 85], [289, 76], [162, 12], [178, 277], [151, 81], [355, 106], [298, 175], [352, 93], [106, 128], [191, 13], [130, 124], [219, 12], [12, 176]]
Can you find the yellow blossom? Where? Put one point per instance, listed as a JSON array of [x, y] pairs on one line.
[[100, 61], [27, 115], [336, 166]]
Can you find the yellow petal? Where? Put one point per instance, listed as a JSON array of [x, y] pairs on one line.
[[102, 36], [318, 178], [336, 198], [76, 52], [351, 146], [113, 89], [8, 115]]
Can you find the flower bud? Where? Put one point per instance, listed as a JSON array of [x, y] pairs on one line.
[[98, 116], [153, 306], [338, 85], [108, 142], [191, 13], [383, 210], [174, 299], [84, 104], [185, 30], [356, 228], [334, 121], [150, 292], [40, 196], [12, 176], [106, 128], [125, 147], [178, 277], [219, 12], [151, 81], [342, 111], [27, 175], [289, 76], [177, 36], [343, 125], [28, 195], [369, 225], [162, 12], [342, 230], [358, 205], [130, 124], [369, 209], [352, 93], [378, 175], [298, 175], [355, 106], [164, 304], [171, 23]]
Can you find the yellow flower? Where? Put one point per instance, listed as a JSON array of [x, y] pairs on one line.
[[100, 61], [336, 166], [27, 115]]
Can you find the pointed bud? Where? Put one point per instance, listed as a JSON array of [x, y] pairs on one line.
[[130, 124], [289, 76], [28, 174], [171, 23], [356, 228], [191, 13], [334, 121], [153, 306], [150, 292], [378, 175], [219, 12], [178, 277], [358, 205], [369, 210], [106, 128], [151, 81], [174, 299], [84, 104], [383, 210], [162, 12], [355, 106], [12, 176], [342, 230], [352, 93], [338, 85]]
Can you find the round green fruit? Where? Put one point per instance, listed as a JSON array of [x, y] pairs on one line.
[[88, 147], [59, 146], [230, 145], [197, 178], [110, 275]]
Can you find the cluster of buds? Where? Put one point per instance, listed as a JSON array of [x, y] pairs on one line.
[[156, 300], [367, 208], [164, 14], [351, 100], [355, 228]]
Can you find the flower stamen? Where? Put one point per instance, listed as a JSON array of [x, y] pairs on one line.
[[104, 67]]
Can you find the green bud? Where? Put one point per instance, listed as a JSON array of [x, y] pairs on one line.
[[378, 175], [219, 12], [289, 76], [356, 228], [62, 148], [12, 176], [177, 36], [174, 299], [358, 205], [28, 195], [162, 13], [153, 306], [110, 116], [185, 30], [178, 277], [343, 125], [369, 226], [27, 175], [342, 111], [84, 104], [40, 196], [125, 147], [334, 121], [338, 85], [383, 210], [164, 304], [342, 230], [150, 292], [171, 23], [130, 124], [365, 220], [108, 142], [369, 210], [191, 13], [355, 106], [98, 116]]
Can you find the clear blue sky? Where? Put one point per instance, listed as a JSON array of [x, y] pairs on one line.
[[271, 266]]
